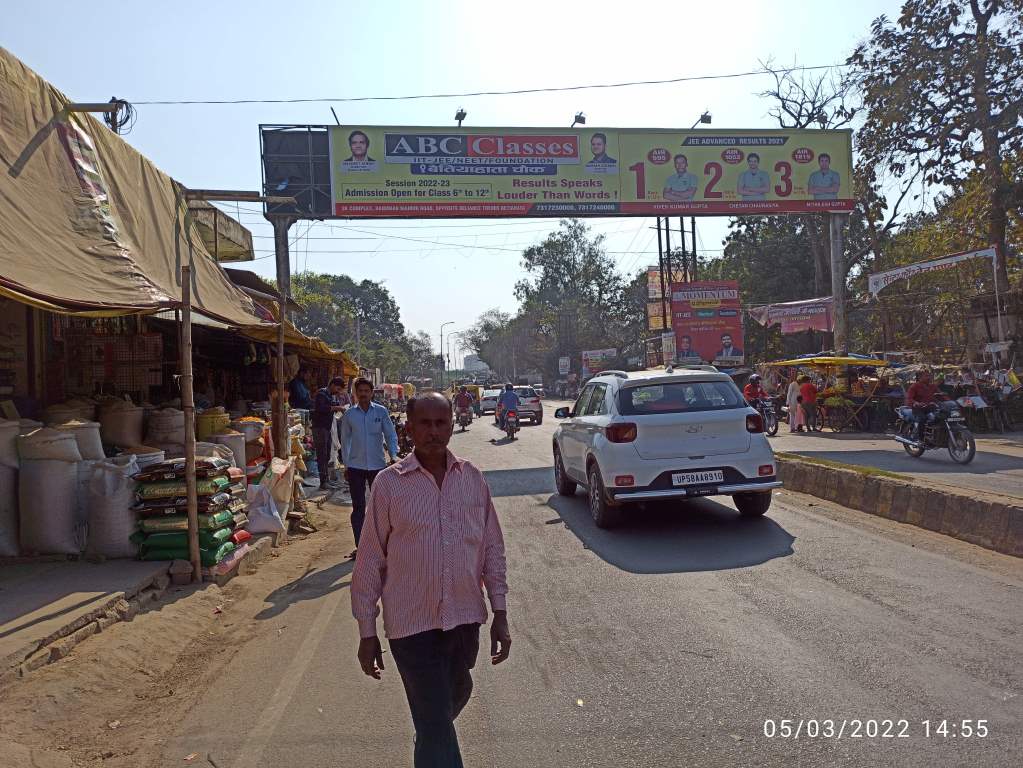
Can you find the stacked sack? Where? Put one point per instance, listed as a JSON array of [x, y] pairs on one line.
[[163, 510]]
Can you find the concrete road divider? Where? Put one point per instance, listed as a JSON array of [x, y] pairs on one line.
[[991, 522]]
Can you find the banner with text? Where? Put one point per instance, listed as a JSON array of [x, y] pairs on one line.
[[707, 320], [549, 172], [878, 281], [596, 360], [797, 316]]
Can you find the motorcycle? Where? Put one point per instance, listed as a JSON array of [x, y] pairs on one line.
[[765, 407], [511, 424], [405, 444], [464, 418], [943, 427]]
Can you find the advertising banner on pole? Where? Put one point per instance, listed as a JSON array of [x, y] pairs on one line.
[[596, 360], [881, 280], [797, 316], [407, 172], [564, 365], [707, 320]]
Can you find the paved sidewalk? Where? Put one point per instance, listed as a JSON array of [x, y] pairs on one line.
[[40, 599], [997, 468]]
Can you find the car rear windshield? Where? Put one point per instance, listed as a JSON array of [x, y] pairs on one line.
[[525, 391], [681, 397], [492, 393]]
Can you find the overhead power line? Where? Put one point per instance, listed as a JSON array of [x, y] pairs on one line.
[[512, 92]]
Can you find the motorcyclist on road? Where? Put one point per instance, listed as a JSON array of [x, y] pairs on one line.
[[463, 401], [754, 390], [508, 401], [921, 397]]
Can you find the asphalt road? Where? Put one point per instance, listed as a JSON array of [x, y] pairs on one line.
[[668, 642]]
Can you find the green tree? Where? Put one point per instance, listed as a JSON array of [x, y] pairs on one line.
[[942, 90]]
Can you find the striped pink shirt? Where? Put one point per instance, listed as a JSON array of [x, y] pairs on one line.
[[427, 552]]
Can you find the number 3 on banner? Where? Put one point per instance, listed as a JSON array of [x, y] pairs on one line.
[[640, 170], [785, 188]]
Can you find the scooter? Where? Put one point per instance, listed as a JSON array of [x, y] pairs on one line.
[[943, 427], [464, 418], [511, 424]]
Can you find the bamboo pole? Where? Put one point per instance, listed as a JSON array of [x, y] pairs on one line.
[[188, 406]]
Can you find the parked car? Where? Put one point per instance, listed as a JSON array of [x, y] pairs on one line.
[[488, 402], [672, 434], [529, 404]]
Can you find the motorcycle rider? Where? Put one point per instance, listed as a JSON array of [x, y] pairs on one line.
[[921, 397], [754, 390], [463, 402], [508, 401]]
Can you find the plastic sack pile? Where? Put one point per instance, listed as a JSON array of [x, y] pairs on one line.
[[162, 509]]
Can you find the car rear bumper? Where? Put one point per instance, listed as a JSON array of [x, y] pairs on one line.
[[756, 486]]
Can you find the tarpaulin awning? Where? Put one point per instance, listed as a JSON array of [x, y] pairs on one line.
[[88, 224], [305, 346], [827, 360]]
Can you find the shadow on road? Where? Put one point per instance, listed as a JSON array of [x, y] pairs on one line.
[[677, 537], [311, 585], [519, 482]]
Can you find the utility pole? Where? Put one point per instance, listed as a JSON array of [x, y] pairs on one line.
[[660, 269], [281, 225], [836, 222], [358, 338], [440, 351], [692, 224]]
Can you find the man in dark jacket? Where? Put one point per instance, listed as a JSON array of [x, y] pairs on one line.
[[325, 405]]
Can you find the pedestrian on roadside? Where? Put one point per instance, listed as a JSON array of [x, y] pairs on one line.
[[325, 405], [364, 429], [432, 542], [792, 402], [808, 391]]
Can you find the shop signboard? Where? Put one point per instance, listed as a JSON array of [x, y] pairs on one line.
[[564, 365], [418, 172], [707, 320]]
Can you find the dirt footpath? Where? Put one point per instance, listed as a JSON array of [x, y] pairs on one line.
[[109, 701]]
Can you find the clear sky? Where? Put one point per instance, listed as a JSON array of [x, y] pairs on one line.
[[266, 50]]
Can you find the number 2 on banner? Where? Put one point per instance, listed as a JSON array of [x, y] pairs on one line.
[[640, 170], [709, 190]]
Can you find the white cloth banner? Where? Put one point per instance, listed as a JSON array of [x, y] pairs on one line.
[[878, 282]]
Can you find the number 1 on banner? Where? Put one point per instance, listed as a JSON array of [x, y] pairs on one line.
[[640, 170]]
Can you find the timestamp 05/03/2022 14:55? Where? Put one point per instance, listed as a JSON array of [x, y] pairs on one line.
[[872, 728]]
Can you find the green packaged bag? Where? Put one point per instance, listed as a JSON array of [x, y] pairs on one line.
[[208, 557], [173, 488], [180, 522], [176, 539]]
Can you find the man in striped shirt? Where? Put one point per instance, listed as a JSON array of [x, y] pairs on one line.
[[430, 543]]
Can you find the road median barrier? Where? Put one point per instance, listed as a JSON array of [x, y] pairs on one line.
[[991, 522]]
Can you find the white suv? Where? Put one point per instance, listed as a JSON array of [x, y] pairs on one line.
[[633, 437]]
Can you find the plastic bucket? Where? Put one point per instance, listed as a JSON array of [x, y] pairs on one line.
[[207, 424]]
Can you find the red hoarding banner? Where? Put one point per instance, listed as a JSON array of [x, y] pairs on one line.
[[707, 319]]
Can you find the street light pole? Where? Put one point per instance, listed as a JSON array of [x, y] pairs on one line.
[[441, 351]]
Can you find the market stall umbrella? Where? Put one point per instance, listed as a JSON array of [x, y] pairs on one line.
[[827, 360]]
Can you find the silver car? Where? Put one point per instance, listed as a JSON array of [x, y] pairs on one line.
[[488, 402]]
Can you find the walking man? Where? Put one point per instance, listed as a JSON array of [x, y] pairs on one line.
[[364, 428], [325, 406], [432, 542]]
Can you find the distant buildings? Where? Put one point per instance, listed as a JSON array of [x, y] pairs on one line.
[[473, 364]]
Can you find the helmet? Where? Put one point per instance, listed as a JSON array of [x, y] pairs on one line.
[[509, 386], [755, 378]]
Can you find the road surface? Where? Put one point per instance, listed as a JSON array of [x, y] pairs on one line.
[[668, 642]]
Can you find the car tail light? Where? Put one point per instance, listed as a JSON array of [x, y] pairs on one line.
[[621, 433], [625, 480], [765, 470], [754, 423]]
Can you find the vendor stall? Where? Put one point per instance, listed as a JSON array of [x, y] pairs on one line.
[[854, 392]]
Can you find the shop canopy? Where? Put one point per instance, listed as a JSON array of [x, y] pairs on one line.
[[90, 226], [305, 346], [828, 360]]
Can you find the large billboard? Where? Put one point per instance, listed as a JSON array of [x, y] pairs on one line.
[[408, 172], [707, 319]]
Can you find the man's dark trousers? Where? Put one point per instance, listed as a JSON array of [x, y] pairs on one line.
[[434, 667], [321, 442], [359, 481]]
